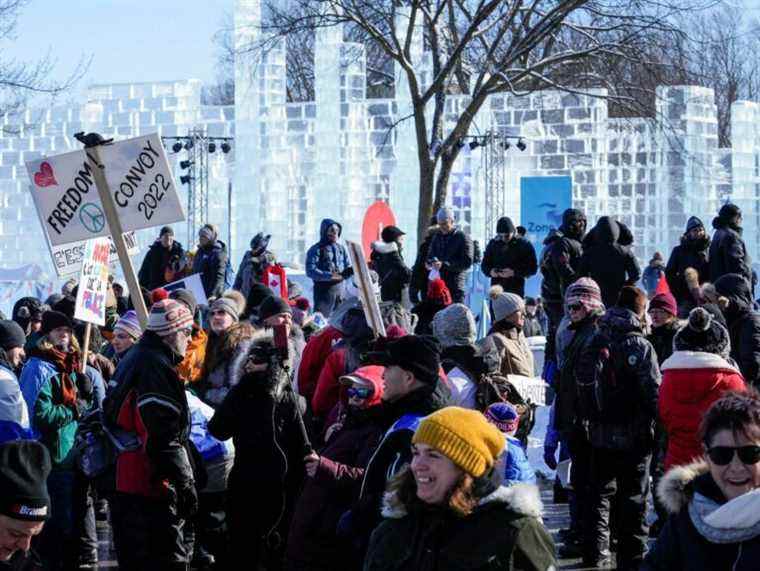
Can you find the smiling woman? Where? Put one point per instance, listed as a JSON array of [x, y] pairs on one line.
[[447, 511], [715, 503]]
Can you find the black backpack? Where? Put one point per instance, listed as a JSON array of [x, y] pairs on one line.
[[606, 395]]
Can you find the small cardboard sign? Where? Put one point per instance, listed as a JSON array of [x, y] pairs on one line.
[[532, 389], [193, 284], [139, 178], [67, 258], [93, 282]]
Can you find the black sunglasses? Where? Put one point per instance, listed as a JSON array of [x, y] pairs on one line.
[[722, 455], [575, 307]]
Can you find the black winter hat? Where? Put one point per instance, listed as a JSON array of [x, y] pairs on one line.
[[24, 469], [185, 296], [572, 215], [166, 230], [693, 222], [505, 226], [418, 354], [260, 242], [728, 211], [27, 309], [11, 335], [68, 305], [54, 319], [703, 333], [391, 234], [273, 305]]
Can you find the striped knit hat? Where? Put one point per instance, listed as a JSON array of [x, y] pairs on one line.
[[169, 316], [129, 324], [586, 292]]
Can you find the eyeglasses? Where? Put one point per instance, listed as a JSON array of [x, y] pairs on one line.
[[359, 392], [722, 455], [575, 306]]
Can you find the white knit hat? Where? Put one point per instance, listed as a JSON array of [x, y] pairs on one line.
[[169, 316], [504, 304]]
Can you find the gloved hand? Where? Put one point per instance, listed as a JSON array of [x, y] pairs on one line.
[[84, 386], [347, 273], [550, 457], [187, 500]]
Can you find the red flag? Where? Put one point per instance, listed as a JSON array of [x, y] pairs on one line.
[[662, 286]]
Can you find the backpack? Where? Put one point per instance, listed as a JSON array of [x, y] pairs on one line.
[[606, 395], [97, 445]]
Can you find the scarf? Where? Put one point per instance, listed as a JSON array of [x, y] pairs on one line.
[[68, 364]]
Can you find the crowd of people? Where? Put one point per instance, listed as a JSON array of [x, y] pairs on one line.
[[265, 431]]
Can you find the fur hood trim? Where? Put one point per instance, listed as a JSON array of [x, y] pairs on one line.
[[674, 489], [524, 499], [697, 360], [260, 338], [384, 247]]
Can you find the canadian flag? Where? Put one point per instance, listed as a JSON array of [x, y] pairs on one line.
[[276, 280]]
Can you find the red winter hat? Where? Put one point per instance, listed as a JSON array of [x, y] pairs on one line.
[[438, 291], [664, 301]]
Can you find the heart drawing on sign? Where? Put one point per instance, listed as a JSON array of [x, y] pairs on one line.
[[45, 176]]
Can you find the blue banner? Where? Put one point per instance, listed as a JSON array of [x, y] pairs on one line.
[[543, 199]]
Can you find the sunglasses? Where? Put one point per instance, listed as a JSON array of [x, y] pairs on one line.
[[722, 455], [575, 307], [359, 392]]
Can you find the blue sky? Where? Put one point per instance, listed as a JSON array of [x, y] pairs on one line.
[[130, 40]]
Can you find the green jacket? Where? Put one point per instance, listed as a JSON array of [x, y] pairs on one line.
[[504, 532]]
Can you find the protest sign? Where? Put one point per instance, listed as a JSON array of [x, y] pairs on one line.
[[93, 283], [139, 182], [366, 293], [67, 258], [532, 389], [193, 284]]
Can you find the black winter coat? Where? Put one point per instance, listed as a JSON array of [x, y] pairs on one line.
[[688, 254], [393, 453], [261, 415], [559, 261], [636, 371], [610, 263], [684, 546], [393, 274], [743, 326], [503, 532], [728, 254], [418, 285], [518, 255], [661, 339], [152, 272], [211, 263], [455, 251]]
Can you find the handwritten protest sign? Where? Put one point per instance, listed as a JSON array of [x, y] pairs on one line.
[[530, 388], [139, 179], [67, 258], [93, 283]]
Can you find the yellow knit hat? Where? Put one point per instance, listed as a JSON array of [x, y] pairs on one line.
[[464, 436]]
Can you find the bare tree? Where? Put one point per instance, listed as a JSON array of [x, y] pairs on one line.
[[23, 81], [483, 47]]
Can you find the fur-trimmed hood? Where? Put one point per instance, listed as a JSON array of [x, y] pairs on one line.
[[524, 499], [717, 520], [261, 339], [384, 247]]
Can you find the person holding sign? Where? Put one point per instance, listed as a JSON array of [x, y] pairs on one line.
[[57, 395], [163, 262]]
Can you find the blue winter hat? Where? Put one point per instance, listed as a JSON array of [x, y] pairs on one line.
[[503, 415]]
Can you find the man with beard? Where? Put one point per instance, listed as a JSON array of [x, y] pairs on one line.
[[690, 253], [14, 416], [509, 259], [728, 254], [165, 258], [560, 260]]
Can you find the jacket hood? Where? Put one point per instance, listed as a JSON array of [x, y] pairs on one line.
[[523, 499], [372, 374], [336, 319], [384, 247], [553, 235], [697, 360], [717, 520], [619, 321], [695, 374], [326, 223], [736, 289], [699, 245], [607, 230], [260, 342], [505, 226]]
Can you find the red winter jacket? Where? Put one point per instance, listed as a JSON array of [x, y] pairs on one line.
[[313, 359], [691, 382], [327, 393]]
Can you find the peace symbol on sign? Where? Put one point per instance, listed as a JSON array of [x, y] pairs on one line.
[[92, 217]]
